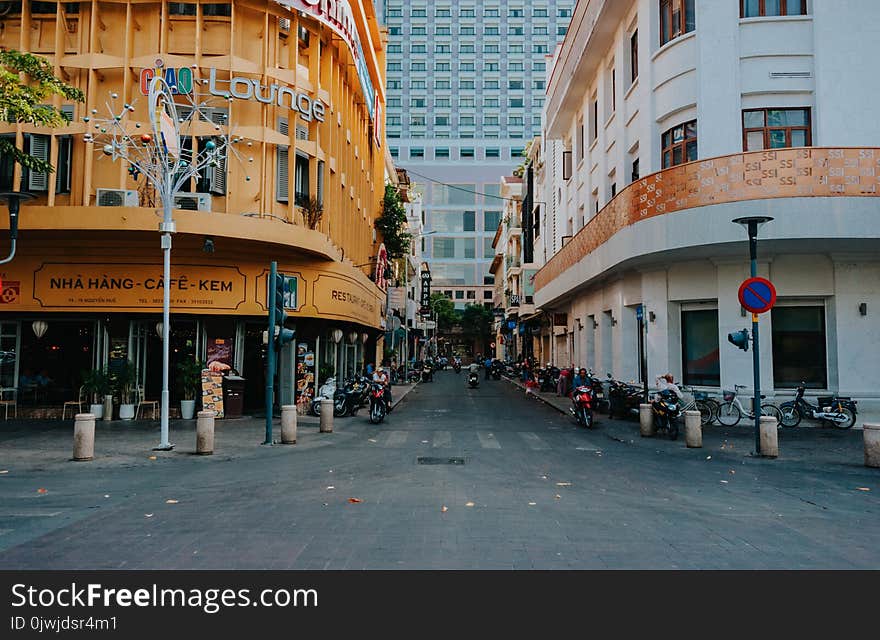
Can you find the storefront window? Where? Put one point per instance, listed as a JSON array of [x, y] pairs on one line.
[[799, 353], [8, 351], [51, 367], [699, 345]]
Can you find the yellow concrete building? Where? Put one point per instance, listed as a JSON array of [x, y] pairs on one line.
[[302, 83]]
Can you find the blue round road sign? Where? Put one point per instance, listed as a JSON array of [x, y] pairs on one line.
[[757, 295]]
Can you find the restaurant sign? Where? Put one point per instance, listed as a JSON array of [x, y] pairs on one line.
[[99, 285]]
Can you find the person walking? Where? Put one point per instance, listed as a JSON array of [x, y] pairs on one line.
[[488, 366]]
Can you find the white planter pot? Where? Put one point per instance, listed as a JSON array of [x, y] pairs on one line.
[[126, 412], [98, 410], [187, 409]]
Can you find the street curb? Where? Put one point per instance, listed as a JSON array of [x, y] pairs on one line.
[[536, 396], [403, 395]]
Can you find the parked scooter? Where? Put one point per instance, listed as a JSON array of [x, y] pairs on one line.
[[328, 392], [548, 377], [667, 411], [583, 400], [427, 372], [347, 400], [495, 370], [473, 380], [456, 366], [838, 411], [378, 406]]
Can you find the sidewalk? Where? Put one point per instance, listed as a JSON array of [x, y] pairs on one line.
[[808, 443], [42, 444]]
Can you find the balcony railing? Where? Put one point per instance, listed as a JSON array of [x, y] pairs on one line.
[[760, 175]]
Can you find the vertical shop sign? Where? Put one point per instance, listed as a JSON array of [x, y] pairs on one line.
[[305, 373]]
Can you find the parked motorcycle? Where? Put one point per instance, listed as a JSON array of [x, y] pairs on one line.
[[378, 406], [667, 411], [456, 366], [473, 380], [582, 400], [347, 400], [838, 411], [548, 377], [623, 399], [427, 372], [495, 370]]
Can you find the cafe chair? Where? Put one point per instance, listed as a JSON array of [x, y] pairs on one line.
[[153, 404], [9, 398], [73, 403]]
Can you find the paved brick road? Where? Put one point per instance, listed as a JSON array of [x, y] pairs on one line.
[[534, 492]]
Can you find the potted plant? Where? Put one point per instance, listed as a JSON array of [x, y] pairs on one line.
[[125, 381], [97, 384], [189, 381]]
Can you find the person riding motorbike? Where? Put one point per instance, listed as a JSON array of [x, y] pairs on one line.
[[381, 377], [581, 379]]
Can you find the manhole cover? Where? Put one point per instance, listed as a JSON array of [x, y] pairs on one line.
[[441, 460]]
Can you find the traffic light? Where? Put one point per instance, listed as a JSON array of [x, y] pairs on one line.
[[739, 339], [282, 290]]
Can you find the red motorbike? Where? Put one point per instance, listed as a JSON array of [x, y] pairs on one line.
[[583, 400], [378, 406]]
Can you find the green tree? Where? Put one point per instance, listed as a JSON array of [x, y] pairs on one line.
[[392, 224], [476, 325], [25, 102], [447, 316]]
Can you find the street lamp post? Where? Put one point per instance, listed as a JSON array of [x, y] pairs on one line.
[[752, 224], [13, 200], [158, 156]]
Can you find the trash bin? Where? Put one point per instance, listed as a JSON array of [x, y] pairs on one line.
[[233, 396]]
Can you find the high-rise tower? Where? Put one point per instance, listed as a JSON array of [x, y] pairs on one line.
[[466, 83]]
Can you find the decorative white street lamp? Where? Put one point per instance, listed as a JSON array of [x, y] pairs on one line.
[[158, 157]]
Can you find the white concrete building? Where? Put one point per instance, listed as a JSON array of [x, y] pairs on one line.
[[675, 117]]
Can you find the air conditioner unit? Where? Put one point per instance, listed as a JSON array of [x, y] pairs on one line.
[[117, 198], [193, 201]]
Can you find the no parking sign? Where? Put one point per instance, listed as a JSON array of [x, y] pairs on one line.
[[757, 295]]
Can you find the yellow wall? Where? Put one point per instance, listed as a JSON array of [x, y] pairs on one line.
[[103, 48]]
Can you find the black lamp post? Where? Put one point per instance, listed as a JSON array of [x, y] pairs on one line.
[[13, 200], [752, 224]]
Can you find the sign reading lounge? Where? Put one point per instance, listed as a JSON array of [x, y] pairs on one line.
[[181, 81]]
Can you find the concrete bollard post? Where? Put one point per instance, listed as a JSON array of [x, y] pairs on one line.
[[288, 424], [84, 437], [108, 408], [871, 435], [326, 415], [646, 421], [769, 437], [205, 433], [693, 430]]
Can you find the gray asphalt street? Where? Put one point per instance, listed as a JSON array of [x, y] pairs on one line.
[[455, 479]]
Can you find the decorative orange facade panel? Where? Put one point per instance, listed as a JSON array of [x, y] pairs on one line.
[[760, 175]]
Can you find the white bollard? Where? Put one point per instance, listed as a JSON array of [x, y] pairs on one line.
[[871, 435], [646, 421], [84, 437], [693, 430], [326, 415], [769, 437], [288, 424], [205, 433]]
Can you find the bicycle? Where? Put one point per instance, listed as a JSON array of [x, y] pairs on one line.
[[701, 402], [731, 411]]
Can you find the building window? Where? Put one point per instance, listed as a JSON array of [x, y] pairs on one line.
[[491, 31], [565, 13], [776, 129], [491, 220], [799, 353], [394, 151], [539, 13], [699, 348], [594, 118], [680, 144], [561, 31], [38, 146], [677, 17], [419, 13], [491, 48], [179, 9], [417, 152], [491, 13], [635, 170], [466, 31], [443, 13], [419, 31], [467, 152], [459, 295], [634, 56], [540, 48], [516, 102], [487, 295], [493, 153], [755, 8], [515, 31], [579, 139], [441, 153]]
